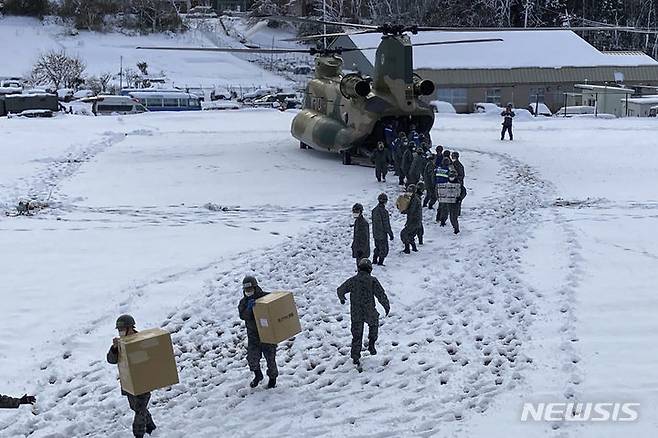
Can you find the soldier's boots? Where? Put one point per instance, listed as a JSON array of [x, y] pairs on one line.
[[406, 249], [420, 240], [356, 361], [413, 247], [380, 261], [150, 428], [457, 230], [258, 376], [271, 383], [372, 349]]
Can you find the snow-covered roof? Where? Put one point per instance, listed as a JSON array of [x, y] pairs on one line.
[[604, 88], [547, 49]]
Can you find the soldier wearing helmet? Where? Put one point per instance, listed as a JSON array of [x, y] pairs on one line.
[[414, 220], [255, 348], [142, 421], [381, 229], [363, 289], [361, 239]]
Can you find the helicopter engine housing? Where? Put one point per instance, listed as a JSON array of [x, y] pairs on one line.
[[424, 87], [354, 86]]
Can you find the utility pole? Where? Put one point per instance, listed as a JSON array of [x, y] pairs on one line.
[[527, 7], [121, 75], [324, 18]]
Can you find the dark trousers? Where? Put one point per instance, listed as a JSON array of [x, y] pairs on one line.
[[508, 129], [380, 172], [430, 197], [357, 335], [381, 249], [408, 234], [256, 350], [143, 422], [448, 210]]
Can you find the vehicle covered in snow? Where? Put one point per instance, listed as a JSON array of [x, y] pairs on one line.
[[108, 105], [26, 103], [288, 100], [201, 12], [10, 86], [257, 94], [542, 110], [575, 110], [439, 106], [167, 100]]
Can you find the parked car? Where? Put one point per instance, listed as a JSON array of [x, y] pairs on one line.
[[276, 100], [10, 86], [483, 107], [573, 110], [202, 12], [439, 106], [257, 94], [107, 105], [653, 111], [543, 110]]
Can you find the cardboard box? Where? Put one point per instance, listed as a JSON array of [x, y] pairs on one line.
[[146, 361], [403, 202], [448, 192], [276, 317]]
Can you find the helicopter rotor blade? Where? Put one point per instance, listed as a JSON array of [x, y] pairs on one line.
[[328, 35], [436, 43], [526, 29], [319, 21], [227, 50]]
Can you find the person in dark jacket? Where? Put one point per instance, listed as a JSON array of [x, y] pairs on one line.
[[414, 136], [459, 168], [381, 230], [446, 154], [444, 174], [420, 230], [380, 158], [417, 167], [430, 186], [255, 348], [363, 289], [13, 403], [361, 240], [414, 221], [399, 149], [389, 135], [507, 115], [142, 422], [407, 159]]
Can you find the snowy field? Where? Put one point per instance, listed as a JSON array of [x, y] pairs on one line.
[[548, 294]]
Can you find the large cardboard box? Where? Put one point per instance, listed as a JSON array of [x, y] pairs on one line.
[[448, 192], [146, 361], [276, 317], [403, 202]]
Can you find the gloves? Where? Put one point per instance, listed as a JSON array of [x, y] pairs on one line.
[[27, 400], [250, 304], [342, 301], [391, 237]]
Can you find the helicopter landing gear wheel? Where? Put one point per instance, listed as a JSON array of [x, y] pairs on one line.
[[303, 145], [347, 157]]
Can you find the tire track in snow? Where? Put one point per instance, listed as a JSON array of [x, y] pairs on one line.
[[442, 357]]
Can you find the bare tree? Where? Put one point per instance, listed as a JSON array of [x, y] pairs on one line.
[[59, 69]]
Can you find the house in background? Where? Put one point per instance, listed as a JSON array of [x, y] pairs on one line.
[[526, 67]]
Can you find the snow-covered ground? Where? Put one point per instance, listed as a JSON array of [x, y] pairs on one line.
[[24, 38], [546, 295]]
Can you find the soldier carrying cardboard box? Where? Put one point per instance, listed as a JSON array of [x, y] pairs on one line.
[[143, 422], [13, 403], [255, 348]]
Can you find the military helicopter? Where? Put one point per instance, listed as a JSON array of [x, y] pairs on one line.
[[346, 112]]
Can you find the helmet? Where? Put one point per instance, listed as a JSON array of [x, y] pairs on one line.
[[411, 188], [403, 134], [249, 281], [455, 154], [125, 322], [365, 265], [420, 186], [357, 208], [446, 153], [423, 145], [439, 148], [382, 197]]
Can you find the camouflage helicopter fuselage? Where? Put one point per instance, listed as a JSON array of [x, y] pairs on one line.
[[346, 112]]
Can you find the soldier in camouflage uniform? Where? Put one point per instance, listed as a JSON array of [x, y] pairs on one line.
[[380, 158], [414, 220], [142, 422], [381, 229], [363, 289], [361, 239], [13, 403], [407, 159], [420, 230], [255, 348], [417, 167], [459, 168], [397, 154], [430, 185]]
